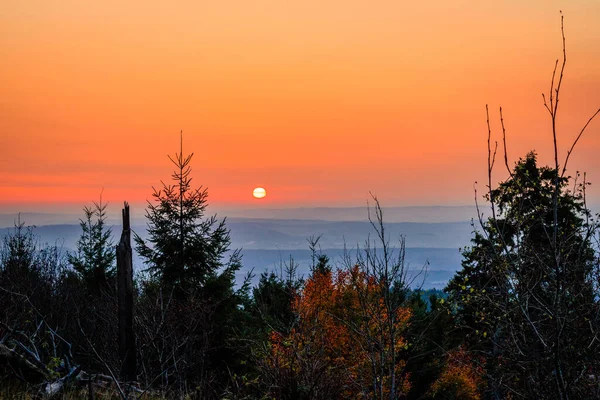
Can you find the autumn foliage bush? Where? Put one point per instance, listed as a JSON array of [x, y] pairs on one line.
[[461, 378], [330, 351]]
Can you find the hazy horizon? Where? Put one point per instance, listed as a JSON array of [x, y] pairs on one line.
[[70, 213]]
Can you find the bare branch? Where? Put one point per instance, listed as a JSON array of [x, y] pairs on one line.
[[504, 143], [575, 142]]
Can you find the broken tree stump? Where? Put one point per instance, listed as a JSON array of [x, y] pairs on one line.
[[127, 351]]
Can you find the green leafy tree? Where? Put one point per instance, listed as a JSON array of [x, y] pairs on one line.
[[95, 255], [525, 297]]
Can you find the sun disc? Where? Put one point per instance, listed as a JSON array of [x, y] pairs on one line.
[[259, 193]]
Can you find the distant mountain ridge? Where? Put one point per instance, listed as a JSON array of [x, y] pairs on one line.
[[275, 234], [391, 214]]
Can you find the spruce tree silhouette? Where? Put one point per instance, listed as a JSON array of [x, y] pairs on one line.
[[184, 248], [95, 255]]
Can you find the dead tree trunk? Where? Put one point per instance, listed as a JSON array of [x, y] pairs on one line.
[[127, 352]]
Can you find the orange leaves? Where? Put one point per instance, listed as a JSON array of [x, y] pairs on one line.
[[346, 334], [462, 376], [319, 322]]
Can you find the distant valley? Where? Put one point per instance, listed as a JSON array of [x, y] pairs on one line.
[[268, 243]]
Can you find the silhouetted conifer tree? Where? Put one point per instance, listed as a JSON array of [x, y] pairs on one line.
[[95, 255], [186, 255], [184, 249], [18, 250]]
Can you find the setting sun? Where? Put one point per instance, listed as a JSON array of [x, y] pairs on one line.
[[259, 193]]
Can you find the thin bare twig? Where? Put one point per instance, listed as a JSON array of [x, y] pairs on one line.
[[504, 143], [577, 140]]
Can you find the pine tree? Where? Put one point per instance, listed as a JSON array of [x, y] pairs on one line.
[[19, 249], [95, 255], [184, 249], [185, 254]]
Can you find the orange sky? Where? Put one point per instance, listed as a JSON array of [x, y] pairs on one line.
[[320, 102]]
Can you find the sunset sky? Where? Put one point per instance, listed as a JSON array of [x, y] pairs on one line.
[[319, 102]]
